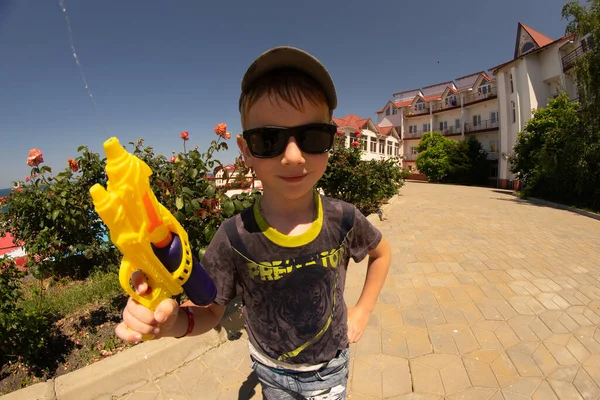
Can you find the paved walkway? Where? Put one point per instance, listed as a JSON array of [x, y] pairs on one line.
[[488, 297]]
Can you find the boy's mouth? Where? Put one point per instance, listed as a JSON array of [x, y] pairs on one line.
[[294, 178]]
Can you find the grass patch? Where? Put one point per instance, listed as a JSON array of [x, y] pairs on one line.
[[70, 297]]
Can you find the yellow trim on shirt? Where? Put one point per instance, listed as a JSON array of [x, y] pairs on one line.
[[291, 241]]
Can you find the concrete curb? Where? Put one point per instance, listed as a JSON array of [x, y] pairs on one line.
[[124, 372], [374, 217], [559, 206]]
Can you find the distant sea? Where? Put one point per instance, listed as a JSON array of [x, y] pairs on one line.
[[5, 192]]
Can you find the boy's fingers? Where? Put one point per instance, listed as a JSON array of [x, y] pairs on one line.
[[126, 334], [138, 279], [137, 325], [165, 309]]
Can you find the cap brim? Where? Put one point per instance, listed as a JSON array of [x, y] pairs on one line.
[[291, 57]]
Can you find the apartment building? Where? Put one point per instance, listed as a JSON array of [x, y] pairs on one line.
[[377, 142], [458, 109], [541, 69], [494, 105]]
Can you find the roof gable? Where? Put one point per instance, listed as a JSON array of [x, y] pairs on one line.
[[529, 39], [355, 122]]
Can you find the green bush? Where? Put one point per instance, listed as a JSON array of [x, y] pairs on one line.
[[54, 217], [24, 334], [447, 160], [366, 184]]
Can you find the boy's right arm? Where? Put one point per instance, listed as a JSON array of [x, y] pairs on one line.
[[167, 320]]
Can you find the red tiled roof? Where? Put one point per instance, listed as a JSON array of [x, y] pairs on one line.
[[539, 39], [384, 130], [397, 104], [352, 121], [434, 97]]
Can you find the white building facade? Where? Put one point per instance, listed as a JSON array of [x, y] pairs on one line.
[[458, 109], [540, 70], [493, 107], [377, 142]]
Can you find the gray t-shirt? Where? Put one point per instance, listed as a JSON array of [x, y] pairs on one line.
[[291, 286]]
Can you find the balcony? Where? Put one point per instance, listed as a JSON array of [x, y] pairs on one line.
[[410, 157], [413, 112], [487, 125], [570, 59], [451, 130], [476, 97], [413, 135], [450, 105]]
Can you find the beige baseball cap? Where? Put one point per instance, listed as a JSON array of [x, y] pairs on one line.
[[290, 57]]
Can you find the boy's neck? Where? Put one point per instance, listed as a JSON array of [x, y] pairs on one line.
[[290, 217]]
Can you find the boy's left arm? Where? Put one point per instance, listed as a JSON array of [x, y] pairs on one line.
[[379, 264]]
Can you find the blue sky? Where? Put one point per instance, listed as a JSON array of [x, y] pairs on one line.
[[156, 68]]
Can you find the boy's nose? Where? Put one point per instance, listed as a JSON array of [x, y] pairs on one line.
[[292, 154]]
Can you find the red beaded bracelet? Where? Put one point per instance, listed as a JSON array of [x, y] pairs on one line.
[[190, 315]]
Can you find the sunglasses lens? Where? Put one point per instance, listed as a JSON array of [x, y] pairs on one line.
[[316, 140], [266, 142]]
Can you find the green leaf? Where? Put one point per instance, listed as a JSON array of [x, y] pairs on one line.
[[193, 173], [238, 205], [46, 168], [229, 208], [55, 214], [210, 190], [179, 202], [80, 148], [88, 254], [187, 190], [195, 204], [209, 233], [246, 204]]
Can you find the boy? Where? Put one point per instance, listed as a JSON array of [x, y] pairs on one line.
[[287, 256]]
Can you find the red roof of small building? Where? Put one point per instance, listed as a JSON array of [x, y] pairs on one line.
[[540, 40], [434, 97], [352, 121], [385, 130]]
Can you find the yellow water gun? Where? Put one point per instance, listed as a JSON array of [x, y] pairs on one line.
[[147, 234]]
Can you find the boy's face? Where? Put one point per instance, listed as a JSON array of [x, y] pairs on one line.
[[293, 173]]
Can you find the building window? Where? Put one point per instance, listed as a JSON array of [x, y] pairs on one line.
[[457, 123], [527, 46], [394, 111], [387, 112], [444, 126], [390, 148], [451, 101], [420, 106], [413, 150], [363, 141], [512, 86], [426, 128], [494, 116], [373, 145], [514, 111], [382, 146], [396, 149], [476, 120], [484, 89]]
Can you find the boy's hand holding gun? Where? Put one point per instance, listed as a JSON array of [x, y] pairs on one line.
[[157, 261]]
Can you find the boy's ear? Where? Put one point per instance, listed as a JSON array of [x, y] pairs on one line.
[[243, 146]]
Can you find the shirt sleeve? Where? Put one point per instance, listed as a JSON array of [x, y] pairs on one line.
[[218, 263], [364, 237]]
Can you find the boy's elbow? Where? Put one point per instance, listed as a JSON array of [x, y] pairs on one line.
[[383, 249]]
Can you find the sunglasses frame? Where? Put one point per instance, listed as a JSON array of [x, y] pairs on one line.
[[294, 132]]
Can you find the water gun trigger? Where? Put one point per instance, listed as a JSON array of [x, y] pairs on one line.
[[155, 293]]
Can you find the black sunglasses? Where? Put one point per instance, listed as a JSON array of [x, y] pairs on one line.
[[271, 141]]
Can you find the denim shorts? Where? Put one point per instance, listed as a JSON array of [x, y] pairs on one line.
[[327, 383]]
